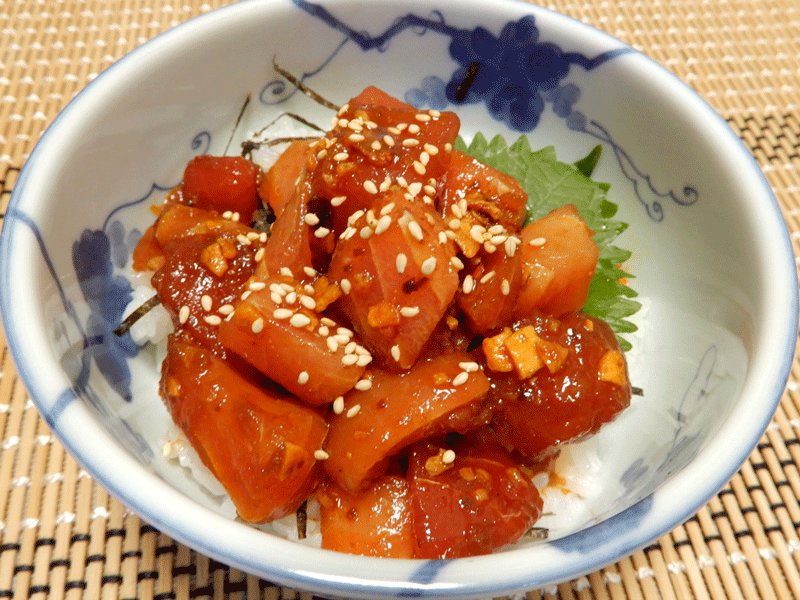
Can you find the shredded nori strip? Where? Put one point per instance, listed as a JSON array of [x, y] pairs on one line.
[[303, 88], [137, 314]]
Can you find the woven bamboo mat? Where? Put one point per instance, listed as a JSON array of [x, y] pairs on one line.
[[62, 536]]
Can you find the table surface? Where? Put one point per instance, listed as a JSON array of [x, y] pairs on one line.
[[63, 536]]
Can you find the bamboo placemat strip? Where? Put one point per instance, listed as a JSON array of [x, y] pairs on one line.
[[63, 537]]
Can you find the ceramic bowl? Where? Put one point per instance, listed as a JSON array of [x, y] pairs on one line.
[[712, 260]]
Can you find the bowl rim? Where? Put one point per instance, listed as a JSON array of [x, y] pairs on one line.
[[380, 577]]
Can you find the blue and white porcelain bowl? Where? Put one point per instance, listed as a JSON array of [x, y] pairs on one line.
[[712, 259]]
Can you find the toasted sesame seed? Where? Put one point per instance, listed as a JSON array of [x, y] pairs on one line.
[[428, 265], [257, 325], [341, 156], [183, 314], [286, 272], [246, 294], [311, 219], [235, 217], [310, 271], [388, 140], [498, 239], [282, 313], [343, 122], [431, 149], [424, 157], [387, 208], [327, 321], [468, 285], [349, 359], [321, 455], [396, 353], [338, 200], [423, 117], [322, 154], [227, 214], [276, 298], [505, 287], [489, 247], [385, 184], [476, 233], [448, 147], [370, 186], [409, 311], [410, 142], [226, 309], [363, 384], [287, 288], [375, 145], [365, 232], [338, 405], [321, 232], [363, 360], [415, 230], [256, 286], [353, 411], [429, 189], [461, 378], [343, 109], [448, 457], [413, 128], [262, 237], [242, 239], [456, 262], [259, 254], [469, 366], [511, 245], [394, 130], [342, 339], [344, 331], [415, 188], [419, 167], [206, 302], [323, 330], [308, 302], [539, 241], [383, 224], [299, 320], [333, 345], [488, 277], [212, 319], [402, 126], [458, 210], [291, 297], [302, 379], [252, 236], [454, 224], [356, 137], [345, 285], [355, 124]]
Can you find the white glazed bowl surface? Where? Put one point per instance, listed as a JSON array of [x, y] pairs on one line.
[[712, 260]]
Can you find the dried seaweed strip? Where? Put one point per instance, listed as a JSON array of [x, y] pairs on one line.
[[137, 314]]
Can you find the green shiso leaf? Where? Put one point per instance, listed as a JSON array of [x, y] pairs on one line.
[[551, 183]]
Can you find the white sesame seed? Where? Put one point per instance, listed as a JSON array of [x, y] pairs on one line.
[[428, 265], [321, 232], [353, 411], [355, 124], [419, 167], [363, 360], [321, 455], [448, 147], [299, 320], [227, 214], [371, 124], [183, 314], [256, 286], [333, 345], [302, 379], [206, 302], [383, 224], [259, 254], [431, 149], [498, 239], [410, 142], [348, 233], [469, 366], [327, 321], [235, 217], [246, 294], [291, 297], [394, 130], [257, 325], [401, 262], [415, 230], [225, 309], [370, 186], [396, 353], [468, 285], [288, 288], [409, 311], [242, 239], [413, 128], [375, 145], [476, 233], [424, 157], [461, 378], [322, 154], [385, 184], [345, 285], [505, 287], [402, 126], [363, 384], [311, 219], [282, 313], [539, 241], [344, 331], [488, 277], [365, 232], [387, 208], [457, 210], [252, 236], [448, 457], [350, 348], [456, 262], [434, 113], [338, 405], [323, 330], [442, 237], [343, 122], [511, 245], [262, 237], [212, 320], [349, 359], [388, 140], [308, 302], [454, 224], [310, 271], [276, 288], [429, 189], [338, 200], [415, 188], [341, 339], [489, 247], [422, 117], [341, 156], [356, 137]]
